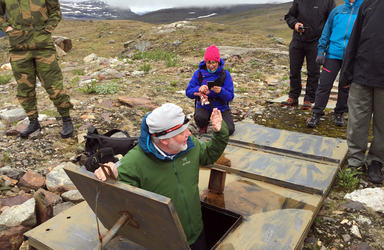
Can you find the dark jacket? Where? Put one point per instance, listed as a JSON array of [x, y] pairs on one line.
[[176, 177], [312, 14], [364, 59], [219, 100]]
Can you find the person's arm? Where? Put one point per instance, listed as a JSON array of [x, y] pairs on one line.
[[193, 86], [54, 15], [212, 150], [225, 92], [347, 68], [3, 22], [291, 16], [325, 35]]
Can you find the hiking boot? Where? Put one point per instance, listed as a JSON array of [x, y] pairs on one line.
[[307, 105], [203, 130], [67, 130], [314, 121], [375, 174], [339, 120], [33, 126], [290, 102]]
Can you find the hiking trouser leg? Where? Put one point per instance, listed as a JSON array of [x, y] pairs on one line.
[[376, 150], [327, 77], [360, 103], [202, 117], [49, 73], [24, 68], [342, 99], [313, 70], [296, 59], [227, 117]]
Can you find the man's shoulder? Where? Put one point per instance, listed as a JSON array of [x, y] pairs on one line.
[[135, 154]]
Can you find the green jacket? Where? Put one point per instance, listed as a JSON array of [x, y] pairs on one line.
[[177, 178], [32, 22]]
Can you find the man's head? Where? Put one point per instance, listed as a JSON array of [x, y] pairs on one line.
[[168, 127]]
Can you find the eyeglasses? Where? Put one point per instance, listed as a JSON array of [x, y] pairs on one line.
[[186, 120]]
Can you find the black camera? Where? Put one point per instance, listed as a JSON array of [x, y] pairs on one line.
[[301, 28], [211, 84]]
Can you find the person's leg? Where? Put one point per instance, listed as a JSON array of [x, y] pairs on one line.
[[327, 77], [360, 103], [342, 99], [313, 70], [202, 117], [23, 68], [49, 73], [376, 150], [227, 117], [296, 59]]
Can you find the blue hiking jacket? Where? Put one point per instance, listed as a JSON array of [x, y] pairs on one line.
[[220, 100], [337, 30]]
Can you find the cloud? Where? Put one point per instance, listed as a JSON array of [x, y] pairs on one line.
[[151, 5]]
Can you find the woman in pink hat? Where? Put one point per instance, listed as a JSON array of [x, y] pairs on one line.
[[212, 87]]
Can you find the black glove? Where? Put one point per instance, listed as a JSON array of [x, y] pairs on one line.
[[320, 60]]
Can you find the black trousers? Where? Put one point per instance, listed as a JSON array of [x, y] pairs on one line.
[[327, 77], [297, 52], [202, 117]]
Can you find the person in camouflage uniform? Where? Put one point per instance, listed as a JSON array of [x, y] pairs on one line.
[[28, 24]]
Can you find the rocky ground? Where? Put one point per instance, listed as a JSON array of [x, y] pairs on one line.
[[115, 92]]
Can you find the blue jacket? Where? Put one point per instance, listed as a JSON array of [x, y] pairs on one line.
[[337, 30], [220, 100]]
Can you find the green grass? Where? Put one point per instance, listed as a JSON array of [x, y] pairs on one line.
[[4, 79], [348, 178], [146, 67], [100, 89], [78, 72], [171, 59], [50, 113]]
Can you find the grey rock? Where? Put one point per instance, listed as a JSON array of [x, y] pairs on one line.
[[346, 237], [73, 196], [13, 115], [127, 43], [57, 180], [23, 214], [142, 46], [13, 173]]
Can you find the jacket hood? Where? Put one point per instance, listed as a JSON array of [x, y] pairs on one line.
[[148, 147], [203, 66]]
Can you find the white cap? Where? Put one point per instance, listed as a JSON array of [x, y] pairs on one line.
[[166, 121]]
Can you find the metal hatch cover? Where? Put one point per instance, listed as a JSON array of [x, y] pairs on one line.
[[152, 216]]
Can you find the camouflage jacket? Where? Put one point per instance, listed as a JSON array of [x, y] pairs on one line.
[[32, 22]]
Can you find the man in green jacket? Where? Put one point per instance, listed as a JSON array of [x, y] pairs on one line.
[[28, 25], [166, 161]]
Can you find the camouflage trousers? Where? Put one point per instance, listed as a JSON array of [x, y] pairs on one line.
[[26, 66]]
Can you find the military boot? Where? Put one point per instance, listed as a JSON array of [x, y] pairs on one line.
[[67, 130], [32, 127]]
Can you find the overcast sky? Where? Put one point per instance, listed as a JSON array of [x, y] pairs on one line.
[[140, 6]]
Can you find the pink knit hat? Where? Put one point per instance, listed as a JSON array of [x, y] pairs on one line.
[[212, 54]]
